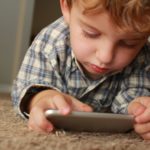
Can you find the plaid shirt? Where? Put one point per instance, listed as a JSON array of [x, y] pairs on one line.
[[50, 63]]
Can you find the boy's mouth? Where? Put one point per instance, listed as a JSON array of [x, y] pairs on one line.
[[98, 69]]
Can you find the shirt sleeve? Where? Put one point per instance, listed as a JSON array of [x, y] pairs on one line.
[[134, 84], [38, 72]]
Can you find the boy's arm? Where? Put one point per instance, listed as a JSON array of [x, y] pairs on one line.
[[37, 73], [135, 82]]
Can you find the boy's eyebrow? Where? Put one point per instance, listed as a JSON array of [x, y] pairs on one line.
[[89, 26], [133, 36]]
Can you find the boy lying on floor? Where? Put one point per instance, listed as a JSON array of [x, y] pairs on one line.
[[94, 58]]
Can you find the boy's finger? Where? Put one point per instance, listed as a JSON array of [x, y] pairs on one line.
[[145, 100], [80, 106], [38, 121], [136, 108], [32, 126], [62, 104], [68, 103], [142, 128], [146, 136], [144, 117]]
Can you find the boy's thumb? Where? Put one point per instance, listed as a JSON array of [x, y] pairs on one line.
[[136, 108]]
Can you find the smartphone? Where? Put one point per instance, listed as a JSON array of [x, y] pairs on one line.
[[91, 121]]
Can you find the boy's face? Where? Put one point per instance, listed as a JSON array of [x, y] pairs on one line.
[[98, 45]]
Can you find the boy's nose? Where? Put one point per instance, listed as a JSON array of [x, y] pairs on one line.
[[105, 54]]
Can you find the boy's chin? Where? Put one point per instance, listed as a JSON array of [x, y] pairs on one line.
[[95, 77]]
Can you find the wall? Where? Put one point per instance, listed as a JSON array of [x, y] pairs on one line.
[[20, 21], [45, 12], [15, 29]]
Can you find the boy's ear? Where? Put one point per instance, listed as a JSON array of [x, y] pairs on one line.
[[65, 10]]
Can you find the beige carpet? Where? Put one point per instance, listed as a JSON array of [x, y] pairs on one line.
[[14, 135]]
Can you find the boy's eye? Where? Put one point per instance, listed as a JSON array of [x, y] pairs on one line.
[[90, 34], [128, 44]]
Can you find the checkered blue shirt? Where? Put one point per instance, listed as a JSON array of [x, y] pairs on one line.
[[50, 64]]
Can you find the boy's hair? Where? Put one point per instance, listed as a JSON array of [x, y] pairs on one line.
[[126, 14]]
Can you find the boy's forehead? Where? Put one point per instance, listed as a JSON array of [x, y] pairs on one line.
[[131, 33], [125, 31]]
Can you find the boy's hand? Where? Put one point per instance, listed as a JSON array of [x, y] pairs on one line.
[[51, 99], [140, 108]]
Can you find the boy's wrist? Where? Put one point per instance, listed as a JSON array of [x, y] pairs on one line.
[[26, 100]]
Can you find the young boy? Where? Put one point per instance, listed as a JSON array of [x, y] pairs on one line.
[[94, 58]]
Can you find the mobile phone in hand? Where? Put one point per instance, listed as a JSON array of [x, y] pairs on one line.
[[91, 121]]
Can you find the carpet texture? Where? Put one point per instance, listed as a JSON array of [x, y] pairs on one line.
[[14, 135]]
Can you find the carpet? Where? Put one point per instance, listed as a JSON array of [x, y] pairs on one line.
[[14, 135]]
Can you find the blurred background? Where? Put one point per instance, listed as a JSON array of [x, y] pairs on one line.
[[20, 21]]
